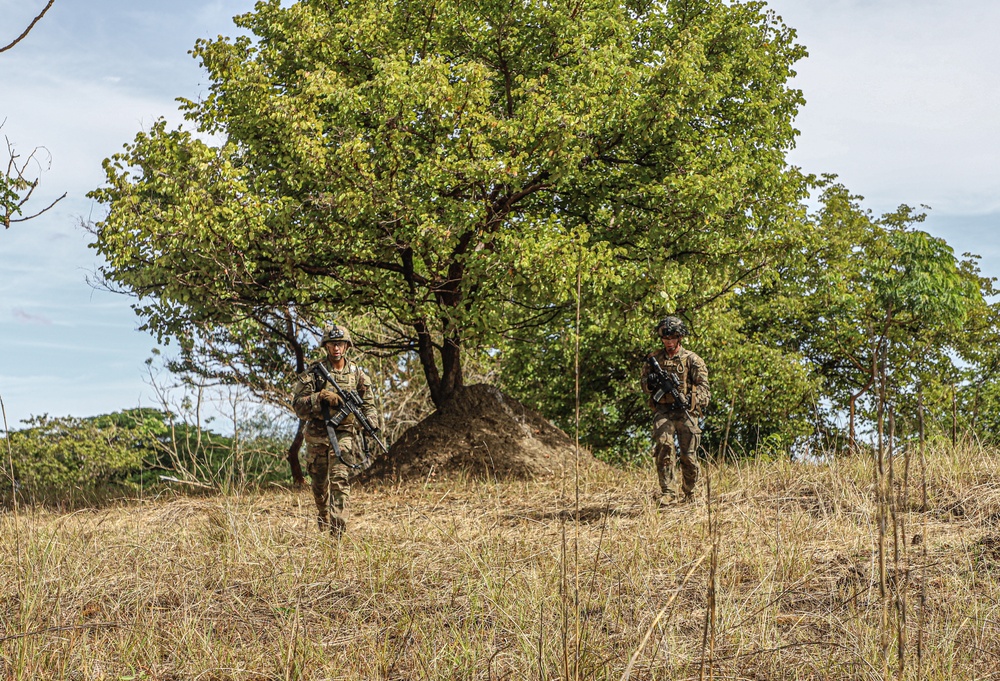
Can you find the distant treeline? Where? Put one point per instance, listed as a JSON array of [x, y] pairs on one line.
[[72, 461]]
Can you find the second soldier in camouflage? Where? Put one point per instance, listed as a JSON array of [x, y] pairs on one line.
[[671, 420]]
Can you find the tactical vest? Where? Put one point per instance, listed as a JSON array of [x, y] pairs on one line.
[[678, 365], [348, 379]]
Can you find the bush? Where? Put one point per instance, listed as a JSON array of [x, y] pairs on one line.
[[67, 460], [71, 461]]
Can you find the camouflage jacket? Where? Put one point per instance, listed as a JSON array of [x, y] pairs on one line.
[[691, 373], [305, 394]]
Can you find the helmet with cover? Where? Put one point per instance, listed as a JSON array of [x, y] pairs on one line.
[[671, 326], [334, 332]]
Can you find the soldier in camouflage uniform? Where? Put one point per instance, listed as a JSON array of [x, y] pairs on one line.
[[329, 473], [671, 420]]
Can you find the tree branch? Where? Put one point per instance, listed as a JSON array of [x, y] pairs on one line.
[[30, 26]]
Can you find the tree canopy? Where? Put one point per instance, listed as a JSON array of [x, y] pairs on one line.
[[450, 165]]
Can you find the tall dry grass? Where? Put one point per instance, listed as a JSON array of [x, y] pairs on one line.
[[482, 580]]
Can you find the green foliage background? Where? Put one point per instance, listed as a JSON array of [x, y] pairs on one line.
[[74, 459]]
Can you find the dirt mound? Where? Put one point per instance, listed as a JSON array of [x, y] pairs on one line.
[[483, 433]]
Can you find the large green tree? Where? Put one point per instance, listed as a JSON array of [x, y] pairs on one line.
[[445, 164], [860, 293], [970, 401]]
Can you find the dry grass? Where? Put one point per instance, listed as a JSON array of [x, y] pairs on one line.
[[479, 580]]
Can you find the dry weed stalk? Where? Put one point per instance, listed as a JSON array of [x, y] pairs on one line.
[[882, 511], [708, 634], [923, 532]]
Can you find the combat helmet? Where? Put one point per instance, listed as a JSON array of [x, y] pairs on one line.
[[671, 326], [334, 332]]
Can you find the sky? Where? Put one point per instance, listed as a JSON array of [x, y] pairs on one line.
[[901, 103]]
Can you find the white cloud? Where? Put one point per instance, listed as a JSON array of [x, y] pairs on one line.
[[901, 99], [22, 316]]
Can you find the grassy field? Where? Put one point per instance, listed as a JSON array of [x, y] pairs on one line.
[[776, 576]]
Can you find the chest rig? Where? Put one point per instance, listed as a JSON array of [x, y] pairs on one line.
[[349, 381], [677, 365]]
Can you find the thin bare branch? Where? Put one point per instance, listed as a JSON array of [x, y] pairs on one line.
[[30, 26], [17, 181], [8, 221]]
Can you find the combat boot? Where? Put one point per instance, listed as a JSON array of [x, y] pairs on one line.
[[323, 522], [337, 527], [666, 499]]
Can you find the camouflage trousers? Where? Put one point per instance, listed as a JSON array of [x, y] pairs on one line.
[[330, 478], [668, 425]]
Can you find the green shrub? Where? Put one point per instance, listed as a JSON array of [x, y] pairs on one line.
[[66, 460], [71, 461]]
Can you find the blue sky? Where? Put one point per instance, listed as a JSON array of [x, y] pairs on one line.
[[902, 101], [88, 77]]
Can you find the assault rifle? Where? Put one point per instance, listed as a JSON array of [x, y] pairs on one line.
[[350, 403], [663, 382]]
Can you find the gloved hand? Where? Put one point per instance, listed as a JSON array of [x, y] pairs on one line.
[[330, 397]]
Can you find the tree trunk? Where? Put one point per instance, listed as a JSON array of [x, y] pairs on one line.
[[291, 336], [852, 440], [451, 374], [444, 382], [851, 443], [852, 436]]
